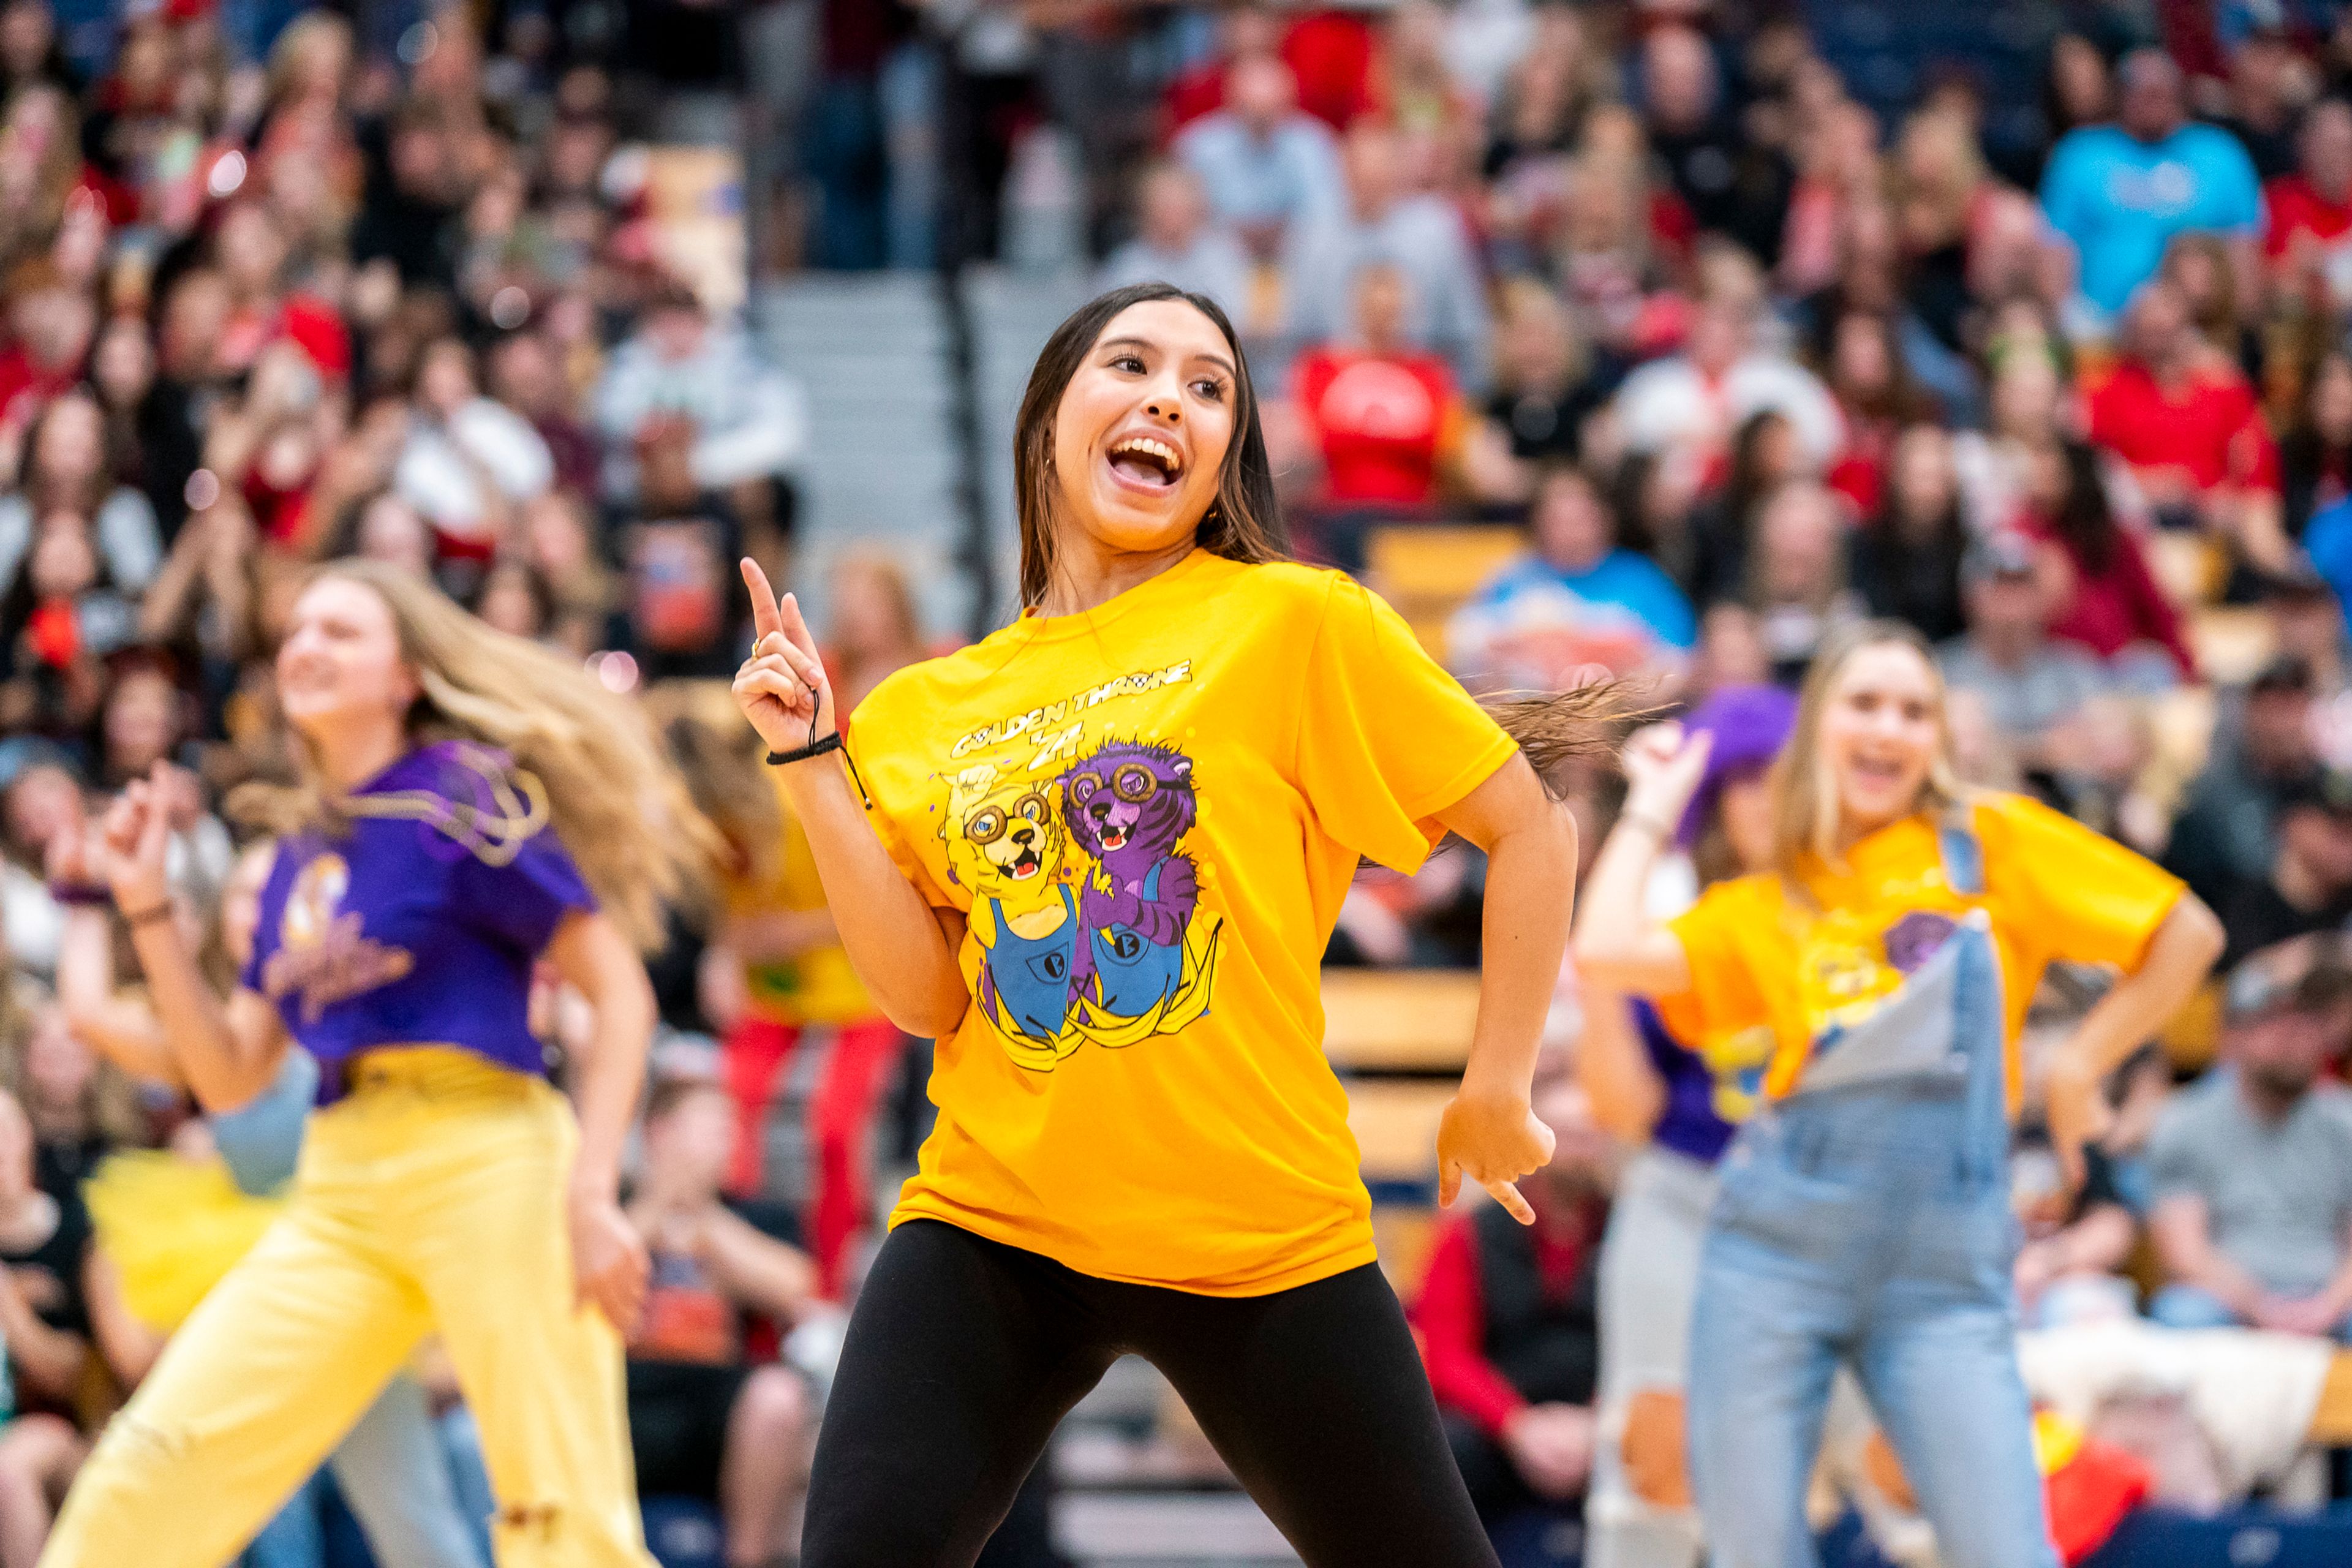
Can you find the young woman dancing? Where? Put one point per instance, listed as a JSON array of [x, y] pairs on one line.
[[1877, 976], [1097, 856], [469, 802]]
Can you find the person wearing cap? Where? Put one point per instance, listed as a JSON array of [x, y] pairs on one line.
[[1663, 1099], [2307, 885], [2030, 683], [2251, 1168]]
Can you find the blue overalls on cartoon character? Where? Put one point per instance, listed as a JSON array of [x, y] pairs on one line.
[[1133, 972], [1866, 1218], [1030, 976]]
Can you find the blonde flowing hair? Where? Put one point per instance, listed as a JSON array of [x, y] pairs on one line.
[[612, 798], [1804, 792]]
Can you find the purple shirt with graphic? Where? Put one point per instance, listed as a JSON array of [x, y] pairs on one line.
[[420, 927]]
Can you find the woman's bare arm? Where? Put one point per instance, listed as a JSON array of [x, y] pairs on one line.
[[1488, 1133], [124, 1032], [1628, 1096], [902, 949], [600, 962], [2178, 958], [129, 1346], [227, 1052], [1618, 945]]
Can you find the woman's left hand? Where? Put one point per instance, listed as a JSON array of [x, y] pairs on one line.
[[1493, 1140], [608, 1260], [2076, 1110]]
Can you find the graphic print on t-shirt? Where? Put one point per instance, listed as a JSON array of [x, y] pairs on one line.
[[322, 954], [1085, 902]]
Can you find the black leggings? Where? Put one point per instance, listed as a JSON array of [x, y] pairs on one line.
[[964, 1353]]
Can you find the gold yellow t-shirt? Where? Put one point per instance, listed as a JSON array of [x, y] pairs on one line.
[[1150, 813], [1769, 976], [816, 985]]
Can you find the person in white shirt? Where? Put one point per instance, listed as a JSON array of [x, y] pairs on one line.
[[468, 457], [1684, 409]]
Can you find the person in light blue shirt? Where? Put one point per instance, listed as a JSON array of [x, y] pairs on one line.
[[2121, 191], [1577, 597], [1266, 166], [1180, 242]]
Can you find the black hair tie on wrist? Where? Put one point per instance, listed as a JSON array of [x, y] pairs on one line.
[[802, 753]]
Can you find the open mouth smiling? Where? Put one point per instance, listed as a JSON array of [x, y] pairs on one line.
[[1146, 461], [1026, 864], [1114, 838]]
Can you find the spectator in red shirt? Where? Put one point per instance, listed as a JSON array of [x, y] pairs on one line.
[[50, 325], [2308, 236], [2188, 423], [1336, 55], [1506, 1322], [2107, 599], [1382, 416], [252, 253]]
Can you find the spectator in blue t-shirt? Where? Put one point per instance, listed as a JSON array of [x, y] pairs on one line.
[[1577, 597], [2121, 191], [1265, 165]]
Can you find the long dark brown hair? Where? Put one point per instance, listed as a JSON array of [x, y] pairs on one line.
[[2083, 519], [1242, 524]]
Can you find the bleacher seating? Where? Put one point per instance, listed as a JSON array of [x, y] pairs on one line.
[[1412, 1020], [1427, 570], [881, 468]]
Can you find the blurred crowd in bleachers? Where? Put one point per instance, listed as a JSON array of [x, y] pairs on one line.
[[1649, 340]]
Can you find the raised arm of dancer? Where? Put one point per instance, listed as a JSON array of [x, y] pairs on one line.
[[125, 1032], [2179, 955], [1488, 1133], [228, 1052], [608, 1258], [903, 950], [1618, 944]]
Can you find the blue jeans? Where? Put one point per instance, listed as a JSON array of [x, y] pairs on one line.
[[1869, 1223]]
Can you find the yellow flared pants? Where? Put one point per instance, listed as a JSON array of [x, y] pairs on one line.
[[430, 1200]]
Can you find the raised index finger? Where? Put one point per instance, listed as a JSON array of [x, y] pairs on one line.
[[764, 618]]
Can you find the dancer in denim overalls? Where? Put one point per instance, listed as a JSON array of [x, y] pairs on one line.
[[1875, 979]]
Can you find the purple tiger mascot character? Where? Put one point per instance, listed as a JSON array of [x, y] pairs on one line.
[[1128, 805]]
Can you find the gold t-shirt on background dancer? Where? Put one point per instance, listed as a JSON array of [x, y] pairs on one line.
[[1772, 981], [1150, 813]]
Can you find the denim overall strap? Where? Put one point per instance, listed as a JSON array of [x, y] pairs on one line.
[[1983, 1027]]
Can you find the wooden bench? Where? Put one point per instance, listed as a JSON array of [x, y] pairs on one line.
[[1395, 1124], [1426, 570], [1399, 1020]]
